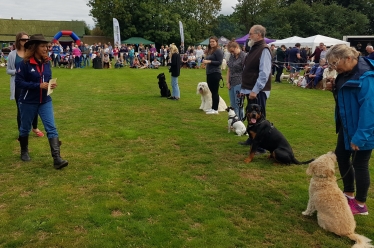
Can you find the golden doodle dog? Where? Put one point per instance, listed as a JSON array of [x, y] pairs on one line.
[[325, 197]]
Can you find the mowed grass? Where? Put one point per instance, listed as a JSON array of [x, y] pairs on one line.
[[145, 171]]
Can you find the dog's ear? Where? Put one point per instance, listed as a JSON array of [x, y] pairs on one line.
[[309, 170]]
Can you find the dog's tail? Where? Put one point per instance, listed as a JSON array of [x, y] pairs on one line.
[[361, 241], [295, 161]]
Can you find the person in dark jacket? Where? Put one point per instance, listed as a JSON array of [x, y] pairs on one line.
[[354, 111], [175, 67], [280, 60], [213, 60], [33, 75]]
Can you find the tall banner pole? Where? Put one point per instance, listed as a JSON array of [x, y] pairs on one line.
[[116, 32], [181, 31]]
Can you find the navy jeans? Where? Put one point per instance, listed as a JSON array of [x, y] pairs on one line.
[[360, 171], [45, 111]]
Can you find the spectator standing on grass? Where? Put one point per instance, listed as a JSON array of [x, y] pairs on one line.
[[280, 61], [353, 93], [234, 76], [256, 77], [294, 59], [152, 52], [317, 53], [14, 58], [175, 66], [55, 53], [213, 60], [33, 76], [77, 54], [199, 53], [131, 55]]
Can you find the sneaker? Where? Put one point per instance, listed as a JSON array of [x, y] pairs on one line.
[[350, 200], [356, 209], [212, 112], [208, 110]]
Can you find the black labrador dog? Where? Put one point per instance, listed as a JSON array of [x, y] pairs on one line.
[[164, 90], [265, 135]]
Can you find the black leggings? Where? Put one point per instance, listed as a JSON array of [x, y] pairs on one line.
[[213, 84], [359, 173]]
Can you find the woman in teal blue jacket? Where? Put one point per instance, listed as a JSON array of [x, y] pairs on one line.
[[354, 91]]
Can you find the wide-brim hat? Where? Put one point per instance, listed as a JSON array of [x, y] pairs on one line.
[[35, 39]]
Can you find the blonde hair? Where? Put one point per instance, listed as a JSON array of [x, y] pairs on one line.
[[341, 51], [173, 49]]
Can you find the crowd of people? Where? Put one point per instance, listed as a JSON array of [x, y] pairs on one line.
[[134, 56]]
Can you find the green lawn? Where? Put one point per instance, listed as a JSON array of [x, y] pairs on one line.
[[145, 171]]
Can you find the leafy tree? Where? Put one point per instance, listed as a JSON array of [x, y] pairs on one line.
[[228, 27], [157, 20]]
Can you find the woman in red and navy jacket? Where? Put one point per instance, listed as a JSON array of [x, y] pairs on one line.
[[33, 75]]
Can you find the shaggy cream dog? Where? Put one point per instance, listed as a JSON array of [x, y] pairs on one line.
[[206, 98], [325, 197]]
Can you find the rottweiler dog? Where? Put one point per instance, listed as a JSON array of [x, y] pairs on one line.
[[265, 135], [164, 89]]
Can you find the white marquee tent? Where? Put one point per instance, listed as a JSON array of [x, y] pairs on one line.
[[312, 41], [288, 42]]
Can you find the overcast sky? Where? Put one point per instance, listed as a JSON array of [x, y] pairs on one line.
[[65, 10]]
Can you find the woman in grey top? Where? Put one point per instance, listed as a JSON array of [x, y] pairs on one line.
[[13, 59], [234, 76], [213, 60]]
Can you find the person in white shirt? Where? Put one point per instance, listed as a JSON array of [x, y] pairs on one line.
[[199, 53], [155, 64], [328, 75], [191, 61]]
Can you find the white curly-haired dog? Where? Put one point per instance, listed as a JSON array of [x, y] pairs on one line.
[[206, 98], [325, 197]]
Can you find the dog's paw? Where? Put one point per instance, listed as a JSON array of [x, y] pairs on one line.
[[247, 160], [307, 213]]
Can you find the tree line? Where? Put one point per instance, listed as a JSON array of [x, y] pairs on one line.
[[157, 20]]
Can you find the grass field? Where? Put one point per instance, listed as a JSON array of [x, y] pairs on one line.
[[145, 171]]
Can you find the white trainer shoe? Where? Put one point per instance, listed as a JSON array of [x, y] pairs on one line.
[[213, 112], [208, 110]]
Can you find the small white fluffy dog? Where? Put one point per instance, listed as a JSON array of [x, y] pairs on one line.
[[224, 64], [206, 98], [234, 123], [284, 76], [325, 197]]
